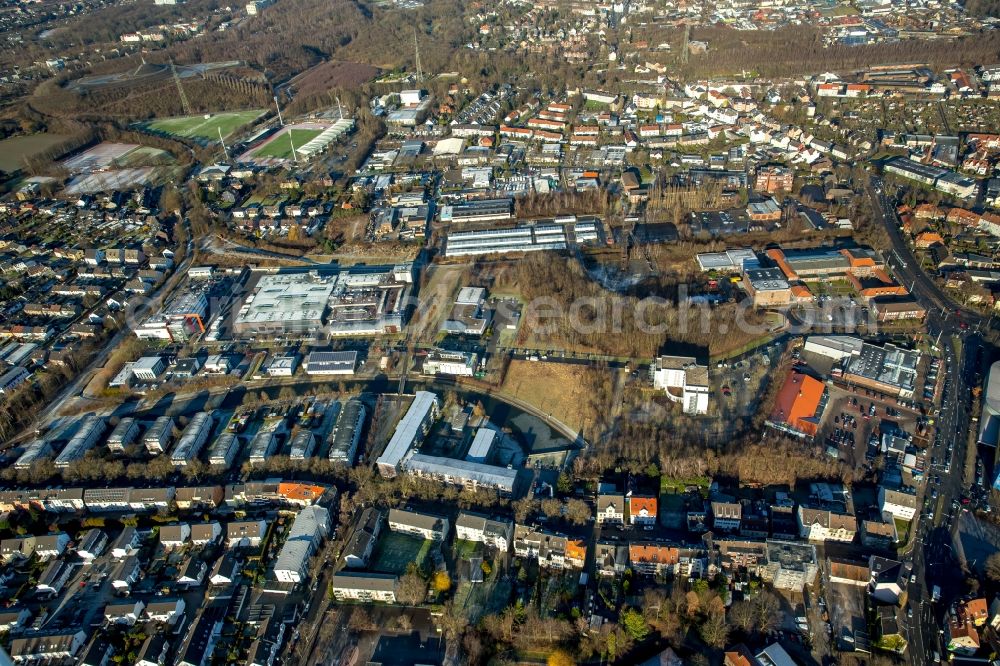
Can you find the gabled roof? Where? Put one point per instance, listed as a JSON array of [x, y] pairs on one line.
[[637, 504]]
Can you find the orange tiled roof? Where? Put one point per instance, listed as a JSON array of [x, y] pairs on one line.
[[300, 491], [798, 401], [576, 549], [653, 554], [637, 505]]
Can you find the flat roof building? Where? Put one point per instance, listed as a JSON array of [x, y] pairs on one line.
[[522, 238], [889, 369], [482, 445], [467, 316], [411, 430], [485, 210], [446, 362], [149, 368], [989, 422], [462, 472], [286, 303], [331, 362], [730, 261]]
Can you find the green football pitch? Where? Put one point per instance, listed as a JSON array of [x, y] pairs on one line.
[[200, 127], [281, 146]]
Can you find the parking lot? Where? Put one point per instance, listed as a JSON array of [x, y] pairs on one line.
[[853, 423]]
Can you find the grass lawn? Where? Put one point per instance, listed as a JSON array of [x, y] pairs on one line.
[[466, 549], [281, 147], [16, 148], [199, 127], [394, 553], [903, 530], [672, 485], [564, 390]]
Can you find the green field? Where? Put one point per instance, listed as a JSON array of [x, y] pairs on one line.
[[281, 147], [394, 553], [199, 127], [16, 148]]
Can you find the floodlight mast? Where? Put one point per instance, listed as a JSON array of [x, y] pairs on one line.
[[278, 107], [225, 150]]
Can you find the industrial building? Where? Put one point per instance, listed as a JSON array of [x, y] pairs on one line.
[[836, 347], [889, 369], [521, 238], [366, 300], [461, 472], [467, 315], [149, 368], [283, 365], [346, 433], [91, 430], [192, 439], [487, 210], [285, 303], [370, 301], [730, 261], [442, 362], [331, 362], [183, 318], [411, 430]]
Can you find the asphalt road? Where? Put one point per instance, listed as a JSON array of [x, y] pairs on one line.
[[934, 563], [906, 268]]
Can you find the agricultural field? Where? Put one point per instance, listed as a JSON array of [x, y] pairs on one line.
[[281, 146], [201, 128], [14, 150]]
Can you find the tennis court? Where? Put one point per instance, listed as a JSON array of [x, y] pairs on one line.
[[394, 553]]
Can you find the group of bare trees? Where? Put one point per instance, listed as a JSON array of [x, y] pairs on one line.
[[798, 50]]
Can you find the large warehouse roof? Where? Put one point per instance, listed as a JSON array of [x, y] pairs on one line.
[[989, 423]]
